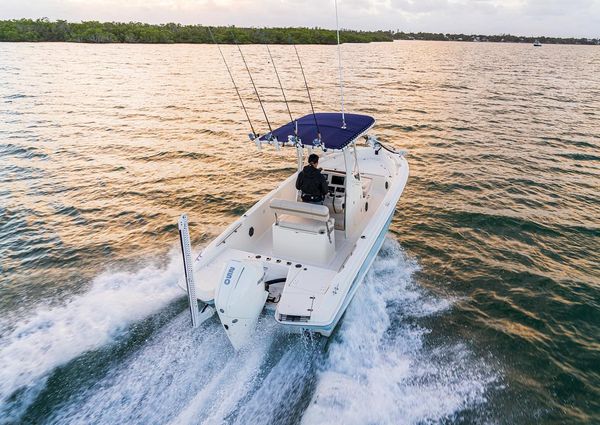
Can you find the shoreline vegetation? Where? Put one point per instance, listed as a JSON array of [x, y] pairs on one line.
[[44, 30]]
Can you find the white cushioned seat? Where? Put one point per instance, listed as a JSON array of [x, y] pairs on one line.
[[300, 209], [303, 232], [304, 224]]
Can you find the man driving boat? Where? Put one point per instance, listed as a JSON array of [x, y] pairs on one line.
[[311, 182]]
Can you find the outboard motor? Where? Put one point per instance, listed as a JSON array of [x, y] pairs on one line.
[[240, 298]]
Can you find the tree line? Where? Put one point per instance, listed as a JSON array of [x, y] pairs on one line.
[[501, 38], [34, 30], [31, 30]]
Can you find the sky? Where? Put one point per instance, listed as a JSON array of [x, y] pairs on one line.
[[562, 18]]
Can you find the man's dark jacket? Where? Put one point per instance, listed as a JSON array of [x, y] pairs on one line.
[[312, 183]]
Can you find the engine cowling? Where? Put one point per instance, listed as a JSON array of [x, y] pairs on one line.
[[240, 298]]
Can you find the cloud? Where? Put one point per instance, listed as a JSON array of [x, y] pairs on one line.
[[559, 7], [425, 6]]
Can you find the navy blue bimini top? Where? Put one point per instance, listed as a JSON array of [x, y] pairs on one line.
[[333, 136]]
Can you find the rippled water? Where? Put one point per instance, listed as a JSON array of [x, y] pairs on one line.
[[482, 307]]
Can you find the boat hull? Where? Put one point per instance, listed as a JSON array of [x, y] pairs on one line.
[[358, 280]]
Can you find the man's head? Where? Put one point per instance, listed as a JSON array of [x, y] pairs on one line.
[[313, 159]]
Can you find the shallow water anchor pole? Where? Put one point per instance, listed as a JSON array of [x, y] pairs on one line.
[[186, 250]]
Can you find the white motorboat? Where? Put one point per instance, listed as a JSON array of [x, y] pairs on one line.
[[537, 43], [302, 263]]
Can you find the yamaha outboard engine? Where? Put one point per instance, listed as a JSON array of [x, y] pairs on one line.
[[240, 298]]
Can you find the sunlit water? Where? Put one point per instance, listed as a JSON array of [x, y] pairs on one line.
[[482, 307]]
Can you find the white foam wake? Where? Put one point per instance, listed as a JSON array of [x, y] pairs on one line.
[[377, 369], [52, 336], [180, 376]]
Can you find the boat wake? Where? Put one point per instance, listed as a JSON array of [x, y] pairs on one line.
[[376, 368], [54, 335]]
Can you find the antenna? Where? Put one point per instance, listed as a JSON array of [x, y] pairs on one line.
[[254, 135], [308, 91], [280, 85], [340, 65], [256, 91]]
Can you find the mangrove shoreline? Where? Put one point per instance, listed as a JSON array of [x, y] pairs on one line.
[[44, 30]]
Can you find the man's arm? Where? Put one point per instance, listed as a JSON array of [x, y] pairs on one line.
[[324, 186], [299, 180]]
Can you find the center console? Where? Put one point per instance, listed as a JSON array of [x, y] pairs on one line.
[[335, 198]]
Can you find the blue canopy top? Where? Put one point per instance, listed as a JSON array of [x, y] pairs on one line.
[[333, 136]]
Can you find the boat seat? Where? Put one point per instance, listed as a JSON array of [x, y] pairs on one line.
[[303, 232], [305, 224], [300, 209], [302, 216]]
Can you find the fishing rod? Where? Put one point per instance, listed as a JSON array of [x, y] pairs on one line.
[[254, 134], [340, 65], [280, 85], [256, 91], [309, 98]]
